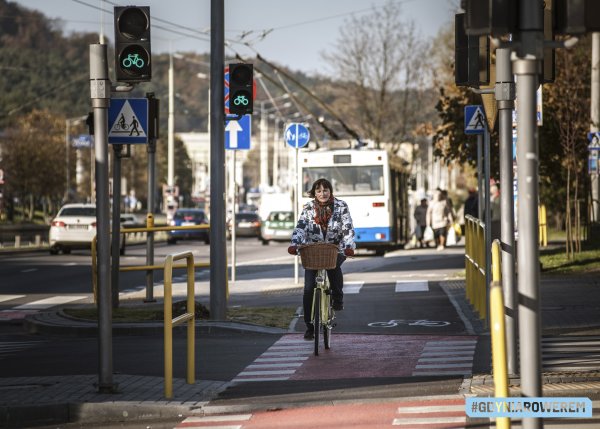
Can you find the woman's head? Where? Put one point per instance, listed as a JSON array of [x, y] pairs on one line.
[[321, 190]]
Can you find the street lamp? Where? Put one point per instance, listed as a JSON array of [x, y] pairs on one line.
[[171, 117], [264, 130], [68, 123]]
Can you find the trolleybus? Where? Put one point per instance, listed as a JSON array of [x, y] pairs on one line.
[[374, 184]]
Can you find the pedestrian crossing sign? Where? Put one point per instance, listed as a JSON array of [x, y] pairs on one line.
[[128, 121], [474, 119]]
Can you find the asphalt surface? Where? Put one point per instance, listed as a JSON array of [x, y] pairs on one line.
[[570, 310]]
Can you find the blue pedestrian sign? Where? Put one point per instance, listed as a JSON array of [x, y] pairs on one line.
[[474, 119], [296, 135], [237, 133], [128, 121]]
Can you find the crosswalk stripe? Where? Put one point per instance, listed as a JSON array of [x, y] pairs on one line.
[[48, 302], [570, 353], [353, 287], [10, 297], [227, 418], [412, 286]]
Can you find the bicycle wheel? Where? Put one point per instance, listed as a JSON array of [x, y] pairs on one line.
[[328, 325], [317, 322]]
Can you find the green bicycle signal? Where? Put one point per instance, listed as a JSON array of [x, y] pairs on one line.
[[133, 60], [240, 99]]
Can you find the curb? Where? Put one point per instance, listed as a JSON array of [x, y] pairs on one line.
[[57, 323]]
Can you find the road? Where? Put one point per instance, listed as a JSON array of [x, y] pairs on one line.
[[400, 334]]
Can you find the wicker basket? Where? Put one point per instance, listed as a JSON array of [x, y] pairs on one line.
[[319, 256]]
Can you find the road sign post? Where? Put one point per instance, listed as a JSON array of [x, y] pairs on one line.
[[296, 135]]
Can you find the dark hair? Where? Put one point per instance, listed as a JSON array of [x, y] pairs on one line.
[[326, 184]]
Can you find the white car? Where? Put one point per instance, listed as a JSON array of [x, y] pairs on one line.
[[73, 227]]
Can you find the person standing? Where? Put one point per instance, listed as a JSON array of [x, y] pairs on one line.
[[420, 216], [439, 217], [324, 219]]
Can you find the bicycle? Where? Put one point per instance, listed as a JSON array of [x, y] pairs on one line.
[[321, 257]]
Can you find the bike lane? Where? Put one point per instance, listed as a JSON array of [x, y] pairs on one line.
[[425, 413]]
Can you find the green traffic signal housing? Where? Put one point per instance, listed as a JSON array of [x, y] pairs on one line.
[[241, 87], [133, 59]]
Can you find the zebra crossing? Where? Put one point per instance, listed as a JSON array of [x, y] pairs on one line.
[[21, 310], [431, 413], [566, 353], [10, 347], [446, 357], [278, 362]]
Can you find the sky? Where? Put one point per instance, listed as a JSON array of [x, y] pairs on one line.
[[301, 30]]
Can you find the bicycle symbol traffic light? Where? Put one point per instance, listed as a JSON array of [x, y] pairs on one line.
[[241, 81], [132, 44]]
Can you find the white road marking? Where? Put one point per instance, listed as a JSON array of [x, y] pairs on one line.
[[412, 286], [48, 302]]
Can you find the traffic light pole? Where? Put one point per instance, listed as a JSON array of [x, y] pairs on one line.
[[218, 244], [116, 224], [505, 96], [100, 97], [527, 68]]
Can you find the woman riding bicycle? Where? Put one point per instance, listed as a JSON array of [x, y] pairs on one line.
[[324, 219]]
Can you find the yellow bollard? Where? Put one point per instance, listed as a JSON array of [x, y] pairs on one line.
[[498, 334]]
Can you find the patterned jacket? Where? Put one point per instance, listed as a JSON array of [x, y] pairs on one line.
[[339, 229]]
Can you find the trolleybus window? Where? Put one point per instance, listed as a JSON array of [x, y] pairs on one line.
[[349, 180]]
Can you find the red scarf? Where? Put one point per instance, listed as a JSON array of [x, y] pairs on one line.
[[323, 212]]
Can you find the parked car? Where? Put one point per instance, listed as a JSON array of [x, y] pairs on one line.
[[277, 227], [247, 224], [187, 217], [73, 227]]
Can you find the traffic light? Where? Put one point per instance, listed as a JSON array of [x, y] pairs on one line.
[[495, 17], [133, 61], [241, 83], [472, 56]]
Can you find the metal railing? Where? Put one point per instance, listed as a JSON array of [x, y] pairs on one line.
[[476, 290], [146, 229], [170, 322], [498, 334]]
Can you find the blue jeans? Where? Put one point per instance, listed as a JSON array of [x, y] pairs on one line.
[[336, 282]]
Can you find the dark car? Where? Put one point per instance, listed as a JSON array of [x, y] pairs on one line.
[[247, 224], [187, 217]]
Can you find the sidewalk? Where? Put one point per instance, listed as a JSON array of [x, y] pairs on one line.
[[570, 306]]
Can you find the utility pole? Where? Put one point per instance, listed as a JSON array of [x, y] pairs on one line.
[[218, 244], [505, 96], [527, 65], [171, 126], [100, 95]]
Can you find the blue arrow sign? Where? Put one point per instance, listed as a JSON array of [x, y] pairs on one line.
[[474, 120], [128, 121], [82, 141], [237, 133], [296, 135]]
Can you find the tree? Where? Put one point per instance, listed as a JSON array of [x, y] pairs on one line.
[[381, 64], [569, 103], [33, 159]]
